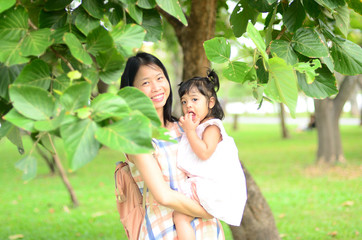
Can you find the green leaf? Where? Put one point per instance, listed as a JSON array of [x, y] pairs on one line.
[[6, 4], [8, 76], [137, 100], [54, 19], [341, 14], [10, 53], [329, 62], [49, 124], [84, 22], [283, 49], [146, 4], [83, 113], [161, 133], [36, 73], [308, 68], [114, 12], [347, 56], [79, 142], [131, 135], [28, 165], [99, 40], [173, 8], [76, 96], [312, 8], [61, 83], [331, 4], [262, 5], [19, 120], [95, 8], [257, 39], [107, 105], [236, 71], [217, 50], [240, 17], [12, 133], [261, 72], [74, 75], [13, 24], [128, 37], [136, 13], [77, 49], [56, 5], [32, 102], [110, 66], [324, 85], [152, 24], [355, 5], [294, 16], [308, 43], [282, 85]]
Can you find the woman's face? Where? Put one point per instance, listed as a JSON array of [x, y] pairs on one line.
[[151, 80]]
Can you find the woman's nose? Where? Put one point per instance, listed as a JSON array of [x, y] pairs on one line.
[[155, 87]]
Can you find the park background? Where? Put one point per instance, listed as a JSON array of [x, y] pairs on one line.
[[307, 200]]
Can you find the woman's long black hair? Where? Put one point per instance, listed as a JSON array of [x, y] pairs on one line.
[[132, 66], [207, 86]]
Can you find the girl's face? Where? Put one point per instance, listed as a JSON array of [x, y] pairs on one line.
[[151, 80], [196, 104]]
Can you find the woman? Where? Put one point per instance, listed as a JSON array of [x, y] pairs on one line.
[[145, 72]]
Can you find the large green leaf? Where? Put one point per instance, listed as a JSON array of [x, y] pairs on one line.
[[323, 86], [95, 8], [49, 124], [85, 22], [341, 14], [355, 5], [10, 53], [54, 19], [146, 4], [282, 85], [173, 8], [312, 8], [13, 24], [308, 43], [241, 15], [8, 76], [108, 105], [6, 4], [136, 13], [32, 102], [257, 39], [61, 83], [28, 165], [137, 100], [128, 37], [131, 135], [79, 141], [99, 40], [152, 24], [19, 120], [36, 73], [110, 65], [76, 96], [36, 42], [283, 49], [56, 5], [347, 56], [77, 49], [331, 4], [217, 50], [262, 5], [114, 12], [236, 71], [294, 16]]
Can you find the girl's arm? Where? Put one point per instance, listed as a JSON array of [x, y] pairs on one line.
[[161, 191], [205, 147]]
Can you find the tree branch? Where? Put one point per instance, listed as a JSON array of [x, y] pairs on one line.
[[277, 38], [176, 24], [63, 58], [347, 85]]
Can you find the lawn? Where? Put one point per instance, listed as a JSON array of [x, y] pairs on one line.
[[308, 202]]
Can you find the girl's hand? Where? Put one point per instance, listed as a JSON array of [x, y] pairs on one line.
[[188, 124]]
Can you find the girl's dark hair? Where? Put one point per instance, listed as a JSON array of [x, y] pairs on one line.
[[132, 66], [207, 86]]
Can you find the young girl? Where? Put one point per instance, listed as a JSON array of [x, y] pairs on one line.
[[208, 156]]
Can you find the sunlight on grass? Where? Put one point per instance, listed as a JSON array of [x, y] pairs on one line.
[[308, 202]]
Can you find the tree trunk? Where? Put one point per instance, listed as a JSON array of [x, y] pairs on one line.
[[49, 161], [327, 113], [285, 132], [258, 221]]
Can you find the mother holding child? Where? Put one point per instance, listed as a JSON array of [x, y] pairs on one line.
[[197, 180]]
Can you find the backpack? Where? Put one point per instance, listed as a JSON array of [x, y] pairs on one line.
[[130, 203]]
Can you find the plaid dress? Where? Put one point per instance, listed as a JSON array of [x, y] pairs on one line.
[[158, 223]]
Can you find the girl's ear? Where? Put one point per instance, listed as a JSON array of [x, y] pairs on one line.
[[211, 102]]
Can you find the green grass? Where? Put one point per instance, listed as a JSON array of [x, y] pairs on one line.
[[308, 202]]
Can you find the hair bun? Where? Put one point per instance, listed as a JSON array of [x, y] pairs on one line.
[[213, 78]]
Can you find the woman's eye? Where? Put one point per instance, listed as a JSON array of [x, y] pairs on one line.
[[145, 83], [159, 78]]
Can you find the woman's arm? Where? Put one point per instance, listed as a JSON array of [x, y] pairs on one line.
[[162, 192]]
